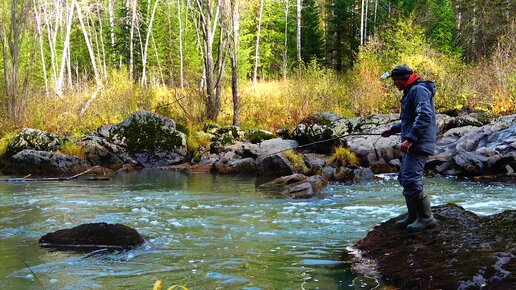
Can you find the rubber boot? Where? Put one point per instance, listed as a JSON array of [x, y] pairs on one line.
[[425, 218], [411, 216]]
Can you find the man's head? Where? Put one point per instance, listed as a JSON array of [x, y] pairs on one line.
[[400, 74]]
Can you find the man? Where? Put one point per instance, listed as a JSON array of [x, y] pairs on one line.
[[418, 134]]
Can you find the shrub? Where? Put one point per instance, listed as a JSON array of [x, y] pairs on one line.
[[343, 157], [297, 161], [71, 148]]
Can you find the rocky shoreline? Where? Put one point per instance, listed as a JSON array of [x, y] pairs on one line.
[[469, 145]]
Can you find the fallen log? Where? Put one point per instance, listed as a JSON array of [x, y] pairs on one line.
[[62, 178]]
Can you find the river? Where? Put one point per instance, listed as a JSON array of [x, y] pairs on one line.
[[208, 231]]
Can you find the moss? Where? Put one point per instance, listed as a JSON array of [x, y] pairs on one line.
[[148, 136], [182, 128], [257, 136], [343, 157], [297, 161]]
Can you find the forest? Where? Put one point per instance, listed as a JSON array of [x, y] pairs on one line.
[[70, 66]]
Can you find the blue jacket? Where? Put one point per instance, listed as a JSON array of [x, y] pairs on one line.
[[417, 116]]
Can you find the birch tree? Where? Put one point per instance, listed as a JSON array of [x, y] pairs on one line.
[[257, 49], [145, 48], [13, 29], [234, 46], [213, 70], [298, 30]]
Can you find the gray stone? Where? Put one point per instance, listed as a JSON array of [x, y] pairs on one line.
[[34, 139], [274, 165], [43, 162]]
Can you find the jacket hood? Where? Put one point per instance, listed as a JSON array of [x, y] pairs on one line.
[[431, 86]]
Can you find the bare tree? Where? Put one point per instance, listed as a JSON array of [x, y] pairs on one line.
[[209, 24], [285, 45], [298, 30], [41, 50], [234, 44], [12, 35], [181, 60], [257, 50], [145, 48]]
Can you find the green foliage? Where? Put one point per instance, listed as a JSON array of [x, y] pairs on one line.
[[297, 161], [342, 157], [312, 41], [4, 142]]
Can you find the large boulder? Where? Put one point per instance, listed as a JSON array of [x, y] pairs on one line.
[[144, 137], [34, 139], [465, 251], [43, 162], [274, 165], [93, 236]]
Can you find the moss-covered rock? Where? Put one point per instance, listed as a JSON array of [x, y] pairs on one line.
[[144, 131], [34, 139], [258, 136], [150, 139]]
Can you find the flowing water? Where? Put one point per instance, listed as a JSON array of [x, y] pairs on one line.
[[208, 231]]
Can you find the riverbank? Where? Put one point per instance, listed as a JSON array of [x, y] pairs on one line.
[[469, 145]]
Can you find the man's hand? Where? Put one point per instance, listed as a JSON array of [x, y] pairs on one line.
[[405, 146], [387, 133]]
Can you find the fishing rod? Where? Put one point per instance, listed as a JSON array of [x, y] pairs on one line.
[[323, 141]]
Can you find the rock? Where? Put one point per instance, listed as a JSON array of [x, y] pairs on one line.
[[465, 251], [286, 180], [362, 175], [144, 138], [98, 151], [34, 139], [324, 118], [267, 147], [42, 162], [258, 136], [93, 236], [274, 165], [313, 159], [352, 174], [236, 166], [298, 186], [305, 134]]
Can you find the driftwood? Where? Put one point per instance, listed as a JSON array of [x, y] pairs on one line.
[[62, 178]]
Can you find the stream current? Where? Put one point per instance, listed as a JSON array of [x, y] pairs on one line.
[[208, 231]]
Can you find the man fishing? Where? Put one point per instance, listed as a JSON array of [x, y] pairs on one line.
[[418, 134]]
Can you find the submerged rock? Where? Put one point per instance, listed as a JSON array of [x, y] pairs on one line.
[[465, 251], [297, 185], [93, 236]]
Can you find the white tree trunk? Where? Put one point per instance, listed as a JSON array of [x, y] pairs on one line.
[[131, 40], [41, 51], [285, 45], [145, 48], [65, 56], [181, 61], [89, 46], [362, 23], [298, 30], [257, 50]]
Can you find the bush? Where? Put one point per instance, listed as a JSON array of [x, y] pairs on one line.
[[342, 157], [71, 148], [297, 161]]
